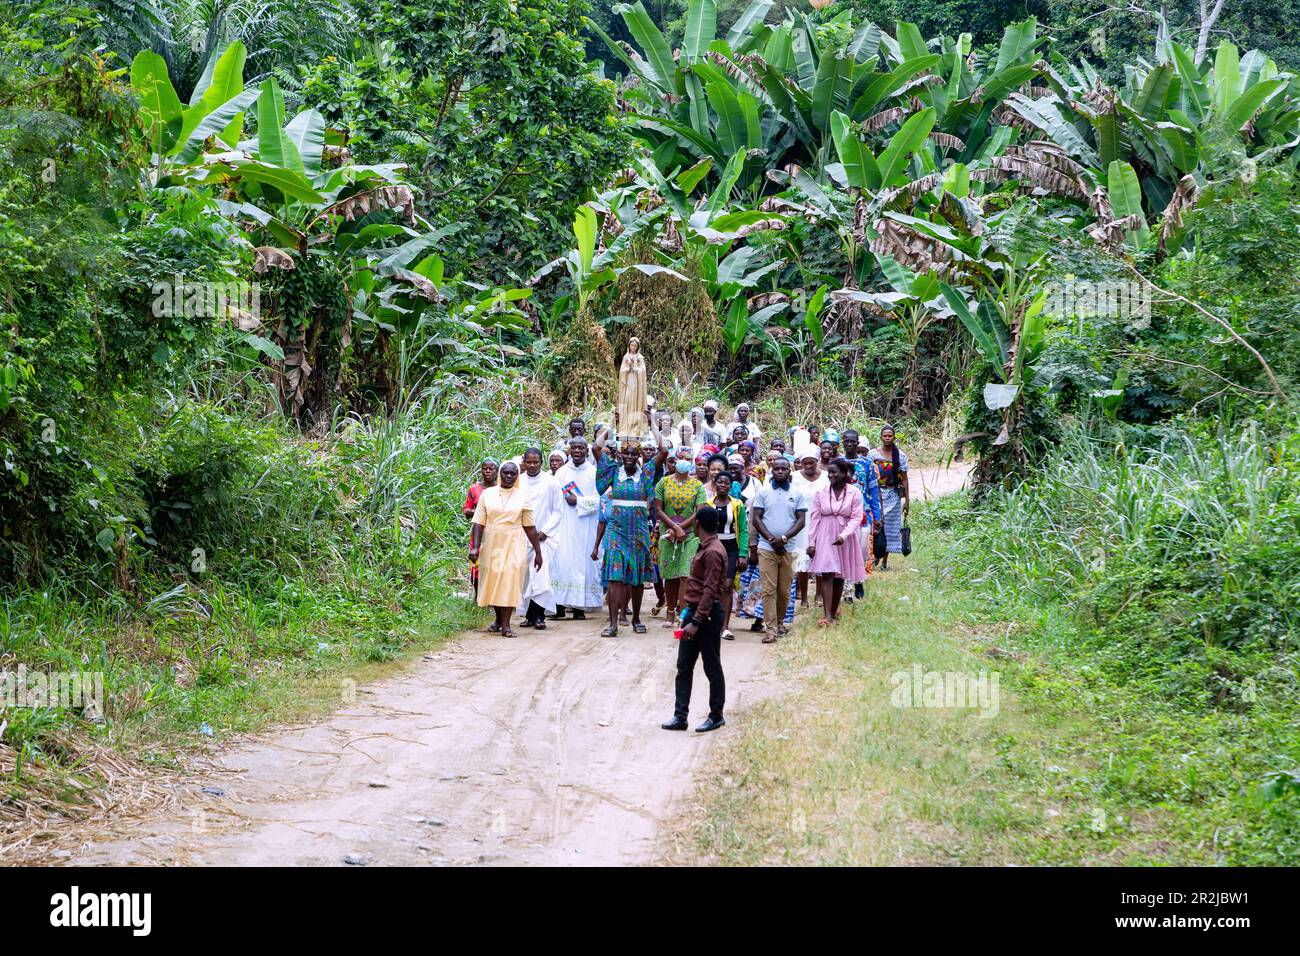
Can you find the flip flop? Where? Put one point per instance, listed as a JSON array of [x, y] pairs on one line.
[[494, 628], [508, 633], [728, 636], [638, 627], [609, 632]]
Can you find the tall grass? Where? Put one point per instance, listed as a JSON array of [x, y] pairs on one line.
[[1162, 579], [1195, 536]]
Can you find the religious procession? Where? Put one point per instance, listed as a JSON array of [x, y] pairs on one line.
[[722, 522]]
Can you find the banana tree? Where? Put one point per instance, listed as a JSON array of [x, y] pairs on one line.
[[591, 270], [1009, 327], [769, 90], [1161, 123], [215, 113], [319, 230], [914, 302]]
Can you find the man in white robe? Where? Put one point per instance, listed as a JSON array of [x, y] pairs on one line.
[[536, 600], [572, 520]]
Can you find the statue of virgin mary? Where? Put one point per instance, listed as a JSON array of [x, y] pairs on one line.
[[632, 378]]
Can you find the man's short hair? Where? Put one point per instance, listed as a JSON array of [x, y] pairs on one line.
[[707, 519]]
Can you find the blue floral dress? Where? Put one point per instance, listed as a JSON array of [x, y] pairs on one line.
[[625, 509], [891, 504]]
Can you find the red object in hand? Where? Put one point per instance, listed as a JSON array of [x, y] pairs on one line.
[[677, 634]]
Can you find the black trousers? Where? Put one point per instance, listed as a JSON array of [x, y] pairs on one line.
[[706, 644]]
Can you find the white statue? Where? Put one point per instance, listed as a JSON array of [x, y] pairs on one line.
[[632, 401]]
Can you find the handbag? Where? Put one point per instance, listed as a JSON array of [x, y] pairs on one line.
[[879, 546], [907, 540]]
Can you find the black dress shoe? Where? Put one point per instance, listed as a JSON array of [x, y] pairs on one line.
[[579, 615], [757, 625], [709, 724], [677, 723]]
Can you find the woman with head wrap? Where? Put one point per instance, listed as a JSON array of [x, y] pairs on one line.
[[500, 513], [737, 435], [809, 479], [744, 416], [695, 418], [627, 485], [702, 468], [648, 453], [748, 451], [686, 436], [891, 467]]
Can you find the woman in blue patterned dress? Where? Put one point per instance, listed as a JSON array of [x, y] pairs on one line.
[[891, 466], [627, 485]]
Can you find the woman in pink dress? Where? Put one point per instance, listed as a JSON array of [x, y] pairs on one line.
[[834, 552]]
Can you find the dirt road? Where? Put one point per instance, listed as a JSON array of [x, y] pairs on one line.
[[544, 749]]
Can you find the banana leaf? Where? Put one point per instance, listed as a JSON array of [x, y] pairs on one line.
[[701, 27]]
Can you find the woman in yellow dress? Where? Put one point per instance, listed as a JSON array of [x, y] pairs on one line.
[[498, 547]]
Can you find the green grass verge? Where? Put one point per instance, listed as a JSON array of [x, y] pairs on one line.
[[1073, 768], [221, 660]]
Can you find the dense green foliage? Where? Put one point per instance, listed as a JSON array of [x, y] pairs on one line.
[[503, 131]]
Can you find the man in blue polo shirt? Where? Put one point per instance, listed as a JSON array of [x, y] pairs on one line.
[[778, 513]]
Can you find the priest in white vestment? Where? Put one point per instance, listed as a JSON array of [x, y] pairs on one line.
[[572, 514], [537, 600]]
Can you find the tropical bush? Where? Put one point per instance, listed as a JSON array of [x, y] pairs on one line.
[[1179, 547]]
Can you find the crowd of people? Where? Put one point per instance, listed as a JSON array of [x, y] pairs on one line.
[[791, 519]]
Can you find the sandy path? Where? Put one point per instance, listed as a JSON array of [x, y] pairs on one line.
[[939, 481], [541, 750]]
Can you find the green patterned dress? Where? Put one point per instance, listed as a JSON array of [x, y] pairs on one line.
[[680, 499]]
